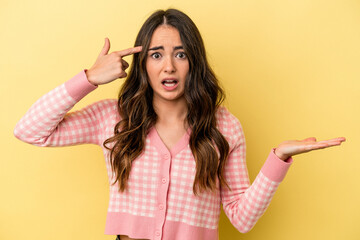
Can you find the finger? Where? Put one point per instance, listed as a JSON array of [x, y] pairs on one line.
[[106, 48], [129, 51], [323, 144], [341, 139], [334, 140], [123, 75], [124, 64], [309, 148], [331, 144]]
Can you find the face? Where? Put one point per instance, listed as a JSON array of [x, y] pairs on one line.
[[167, 65]]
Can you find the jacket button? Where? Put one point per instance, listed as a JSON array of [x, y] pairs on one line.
[[163, 180], [157, 233]]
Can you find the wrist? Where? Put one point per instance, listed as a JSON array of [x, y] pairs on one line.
[[90, 77], [280, 155]]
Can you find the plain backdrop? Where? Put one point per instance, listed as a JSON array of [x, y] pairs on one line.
[[290, 70]]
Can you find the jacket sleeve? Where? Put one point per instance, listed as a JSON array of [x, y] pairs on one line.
[[244, 204], [48, 123]]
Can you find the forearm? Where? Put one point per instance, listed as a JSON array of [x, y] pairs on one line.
[[244, 208], [44, 116]]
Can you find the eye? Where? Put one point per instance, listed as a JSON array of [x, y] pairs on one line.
[[155, 55], [181, 55]]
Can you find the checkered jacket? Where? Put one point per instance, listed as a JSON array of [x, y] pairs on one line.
[[159, 202]]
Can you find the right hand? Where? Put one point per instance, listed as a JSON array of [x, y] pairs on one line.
[[109, 67]]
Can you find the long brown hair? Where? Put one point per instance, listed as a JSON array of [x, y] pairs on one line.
[[203, 97]]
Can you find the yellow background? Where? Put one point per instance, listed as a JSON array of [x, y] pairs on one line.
[[290, 70]]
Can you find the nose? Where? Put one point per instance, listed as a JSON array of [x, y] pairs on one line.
[[169, 66]]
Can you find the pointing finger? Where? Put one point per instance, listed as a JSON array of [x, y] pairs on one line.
[[129, 51]]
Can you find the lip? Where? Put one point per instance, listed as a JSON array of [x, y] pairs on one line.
[[170, 88]]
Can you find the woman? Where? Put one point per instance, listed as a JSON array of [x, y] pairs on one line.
[[174, 155]]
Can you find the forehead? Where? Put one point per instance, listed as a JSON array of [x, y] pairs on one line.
[[165, 35]]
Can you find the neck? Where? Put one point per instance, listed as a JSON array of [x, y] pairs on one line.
[[170, 112]]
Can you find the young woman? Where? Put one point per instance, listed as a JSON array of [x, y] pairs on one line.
[[173, 154]]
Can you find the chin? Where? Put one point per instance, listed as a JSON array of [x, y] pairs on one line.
[[172, 97]]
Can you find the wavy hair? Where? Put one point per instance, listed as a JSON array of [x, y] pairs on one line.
[[203, 97]]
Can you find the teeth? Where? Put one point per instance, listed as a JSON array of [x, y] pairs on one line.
[[169, 84]]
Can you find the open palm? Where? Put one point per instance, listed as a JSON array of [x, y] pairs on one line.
[[293, 147]]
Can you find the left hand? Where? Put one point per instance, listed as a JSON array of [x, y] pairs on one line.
[[289, 148]]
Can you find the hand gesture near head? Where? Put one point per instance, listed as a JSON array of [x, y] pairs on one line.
[[109, 67], [293, 147]]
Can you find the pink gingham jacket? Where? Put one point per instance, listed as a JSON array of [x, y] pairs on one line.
[[159, 202]]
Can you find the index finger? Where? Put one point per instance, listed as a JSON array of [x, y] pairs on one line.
[[129, 51]]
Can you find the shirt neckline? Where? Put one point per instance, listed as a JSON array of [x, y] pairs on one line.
[[160, 145]]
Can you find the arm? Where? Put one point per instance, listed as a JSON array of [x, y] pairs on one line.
[[244, 204], [48, 123]]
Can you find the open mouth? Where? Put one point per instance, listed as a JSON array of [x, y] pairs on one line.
[[169, 83]]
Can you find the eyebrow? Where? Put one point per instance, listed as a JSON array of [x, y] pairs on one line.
[[161, 47]]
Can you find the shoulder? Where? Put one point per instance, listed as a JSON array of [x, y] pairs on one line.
[[228, 125], [226, 121]]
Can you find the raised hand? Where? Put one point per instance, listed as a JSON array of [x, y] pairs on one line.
[[289, 148], [109, 67]]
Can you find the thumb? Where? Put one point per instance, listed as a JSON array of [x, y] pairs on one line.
[[310, 139], [106, 48]]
